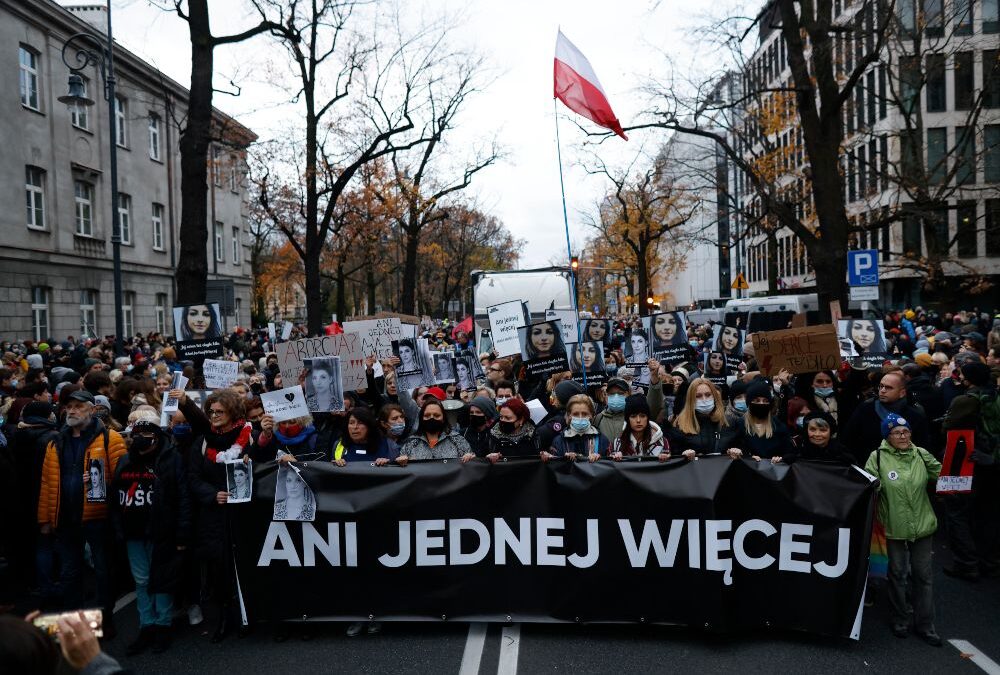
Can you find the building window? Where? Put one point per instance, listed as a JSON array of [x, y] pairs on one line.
[[158, 226], [937, 154], [161, 313], [125, 217], [991, 153], [966, 230], [990, 17], [965, 80], [991, 79], [128, 315], [910, 80], [29, 77], [234, 182], [911, 235], [220, 244], [121, 121], [237, 258], [34, 195], [937, 97], [963, 17], [154, 137], [40, 313], [216, 166], [965, 155], [83, 197], [238, 311], [993, 227], [88, 312], [79, 115], [934, 18]]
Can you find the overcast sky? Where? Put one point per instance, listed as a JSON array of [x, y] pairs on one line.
[[625, 43]]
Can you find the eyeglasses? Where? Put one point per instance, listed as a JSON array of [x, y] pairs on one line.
[[216, 411], [900, 432]]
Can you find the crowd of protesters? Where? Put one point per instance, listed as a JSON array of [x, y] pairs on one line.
[[84, 448]]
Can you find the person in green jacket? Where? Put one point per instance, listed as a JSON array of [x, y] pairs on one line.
[[903, 471]]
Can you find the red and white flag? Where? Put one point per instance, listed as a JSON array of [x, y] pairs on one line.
[[577, 86]]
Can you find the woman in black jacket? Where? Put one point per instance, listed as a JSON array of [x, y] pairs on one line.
[[819, 442], [513, 434], [766, 436], [701, 427]]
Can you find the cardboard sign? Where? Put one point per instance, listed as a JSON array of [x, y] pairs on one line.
[[346, 345], [797, 350], [957, 467], [220, 374], [404, 318], [285, 404], [568, 321], [376, 335], [505, 319]]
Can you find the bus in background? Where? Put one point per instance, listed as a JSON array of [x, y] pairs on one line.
[[773, 312]]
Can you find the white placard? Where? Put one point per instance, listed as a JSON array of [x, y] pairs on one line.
[[272, 334], [864, 293], [285, 404], [286, 330], [220, 374], [567, 322], [954, 484], [505, 319], [537, 410], [239, 481], [377, 335], [345, 345], [170, 404]]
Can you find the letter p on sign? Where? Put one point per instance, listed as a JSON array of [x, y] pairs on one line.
[[862, 268]]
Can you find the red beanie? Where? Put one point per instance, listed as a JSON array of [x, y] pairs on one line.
[[517, 406]]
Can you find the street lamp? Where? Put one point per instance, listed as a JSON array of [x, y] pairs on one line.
[[87, 50]]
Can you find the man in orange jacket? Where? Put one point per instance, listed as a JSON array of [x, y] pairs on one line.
[[72, 501]]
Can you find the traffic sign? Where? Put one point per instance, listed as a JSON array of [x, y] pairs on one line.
[[740, 283], [864, 292], [862, 267]]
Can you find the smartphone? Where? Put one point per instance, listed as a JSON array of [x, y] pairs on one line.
[[49, 622]]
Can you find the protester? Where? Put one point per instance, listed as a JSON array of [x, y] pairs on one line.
[[701, 426], [765, 436], [434, 437], [364, 441], [482, 414], [819, 443], [513, 434], [641, 437], [579, 438], [863, 433], [903, 470]]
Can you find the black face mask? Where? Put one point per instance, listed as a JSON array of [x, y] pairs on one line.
[[257, 388], [142, 444], [477, 421], [506, 427], [759, 410], [432, 426]]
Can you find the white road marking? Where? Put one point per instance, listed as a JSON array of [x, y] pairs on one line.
[[985, 663], [124, 602], [510, 643], [473, 654]]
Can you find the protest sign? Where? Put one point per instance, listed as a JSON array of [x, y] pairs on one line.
[[170, 404], [444, 367], [728, 340], [220, 374], [409, 356], [198, 331], [701, 544], [376, 335], [597, 329], [568, 322], [505, 319], [797, 350], [867, 338], [345, 345], [957, 467], [285, 404], [537, 410], [666, 334], [239, 481], [468, 371], [715, 368], [589, 357], [484, 344], [272, 335], [324, 385], [286, 330], [542, 348]]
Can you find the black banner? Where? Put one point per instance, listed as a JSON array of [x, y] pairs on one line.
[[715, 543]]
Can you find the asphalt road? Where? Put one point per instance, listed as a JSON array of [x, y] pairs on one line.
[[969, 612]]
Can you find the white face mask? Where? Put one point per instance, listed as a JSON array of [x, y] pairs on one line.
[[705, 405]]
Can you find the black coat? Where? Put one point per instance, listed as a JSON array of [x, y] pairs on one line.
[[833, 452], [711, 438], [170, 520], [863, 433], [205, 480]]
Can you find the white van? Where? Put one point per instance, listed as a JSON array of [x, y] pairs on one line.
[[773, 312], [542, 289]]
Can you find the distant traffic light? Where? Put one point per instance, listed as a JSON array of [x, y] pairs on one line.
[[574, 263]]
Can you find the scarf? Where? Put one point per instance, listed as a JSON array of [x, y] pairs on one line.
[[238, 435], [297, 438], [882, 410]]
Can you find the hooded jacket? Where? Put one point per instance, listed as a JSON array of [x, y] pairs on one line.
[[450, 445], [57, 457], [652, 449], [903, 506]]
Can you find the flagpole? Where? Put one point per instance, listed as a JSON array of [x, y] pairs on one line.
[[569, 247]]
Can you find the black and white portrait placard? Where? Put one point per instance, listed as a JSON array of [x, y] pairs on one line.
[[542, 348], [324, 388], [239, 481], [293, 498], [97, 486]]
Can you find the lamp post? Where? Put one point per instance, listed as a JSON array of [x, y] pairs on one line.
[[86, 50]]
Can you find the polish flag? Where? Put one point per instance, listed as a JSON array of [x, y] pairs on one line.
[[577, 86]]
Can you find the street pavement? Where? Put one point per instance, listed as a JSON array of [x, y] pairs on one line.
[[965, 612]]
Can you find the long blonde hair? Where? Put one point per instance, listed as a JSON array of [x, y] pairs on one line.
[[687, 421], [751, 428]]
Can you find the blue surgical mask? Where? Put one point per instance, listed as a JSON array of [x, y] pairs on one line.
[[740, 405], [616, 402], [693, 343], [398, 428], [705, 405], [580, 423], [824, 392]]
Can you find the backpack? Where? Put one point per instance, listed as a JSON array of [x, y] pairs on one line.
[[988, 426]]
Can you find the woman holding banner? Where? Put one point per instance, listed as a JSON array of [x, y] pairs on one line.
[[766, 436], [701, 427], [513, 434], [434, 437], [364, 441], [579, 437]]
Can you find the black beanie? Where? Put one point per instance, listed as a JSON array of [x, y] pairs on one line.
[[567, 389], [635, 404], [977, 373], [760, 388]]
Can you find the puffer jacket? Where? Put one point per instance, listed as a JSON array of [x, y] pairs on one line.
[[903, 505], [50, 492], [450, 445], [651, 449]]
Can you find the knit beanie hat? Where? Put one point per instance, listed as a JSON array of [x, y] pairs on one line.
[[737, 388], [636, 404], [486, 406], [566, 390], [35, 361], [924, 360], [891, 421], [759, 388], [36, 412]]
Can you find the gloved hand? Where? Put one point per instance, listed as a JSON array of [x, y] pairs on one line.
[[982, 458], [230, 455]]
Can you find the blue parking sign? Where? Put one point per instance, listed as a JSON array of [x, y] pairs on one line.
[[862, 267]]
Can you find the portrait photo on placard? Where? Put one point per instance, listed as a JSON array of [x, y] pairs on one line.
[[444, 367], [588, 357], [636, 347], [714, 367], [597, 330], [867, 335], [667, 329], [197, 322], [465, 372], [324, 388], [239, 481], [409, 356], [96, 481], [542, 348], [293, 498]]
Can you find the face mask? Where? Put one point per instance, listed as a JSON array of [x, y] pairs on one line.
[[824, 392], [506, 427], [580, 423], [800, 420], [740, 405], [616, 402], [291, 430], [760, 410], [257, 388], [142, 444], [501, 400], [433, 426], [477, 421], [13, 384], [705, 406], [397, 429], [181, 430], [693, 343]]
